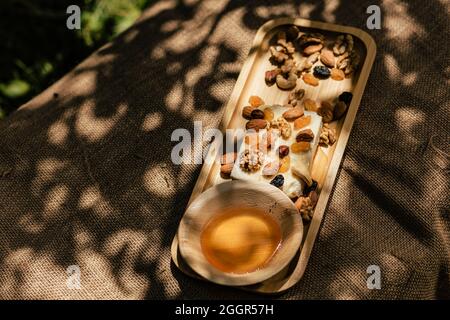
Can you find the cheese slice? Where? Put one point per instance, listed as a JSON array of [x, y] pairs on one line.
[[300, 164]]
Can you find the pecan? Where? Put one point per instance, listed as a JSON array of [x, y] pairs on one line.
[[327, 136], [283, 126]]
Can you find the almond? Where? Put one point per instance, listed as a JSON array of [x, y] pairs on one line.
[[327, 58], [305, 135], [309, 50], [293, 113], [229, 157], [247, 112], [256, 124], [308, 78]]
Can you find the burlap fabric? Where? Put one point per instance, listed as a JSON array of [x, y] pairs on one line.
[[86, 177]]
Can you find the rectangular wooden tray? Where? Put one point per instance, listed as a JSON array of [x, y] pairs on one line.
[[327, 160]]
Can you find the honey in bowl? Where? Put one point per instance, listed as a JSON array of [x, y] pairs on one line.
[[240, 240]]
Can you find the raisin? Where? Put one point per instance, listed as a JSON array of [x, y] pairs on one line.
[[257, 114], [346, 97], [321, 72], [312, 187], [278, 181]]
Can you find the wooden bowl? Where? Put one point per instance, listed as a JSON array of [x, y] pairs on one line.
[[234, 194]]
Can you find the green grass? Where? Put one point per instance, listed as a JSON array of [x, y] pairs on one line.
[[36, 48]]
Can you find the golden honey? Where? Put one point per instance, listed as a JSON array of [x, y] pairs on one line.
[[240, 240]]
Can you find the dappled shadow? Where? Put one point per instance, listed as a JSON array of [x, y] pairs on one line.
[[86, 175]]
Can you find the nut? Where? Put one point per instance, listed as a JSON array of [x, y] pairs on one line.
[[344, 43], [225, 169], [305, 135], [327, 136], [283, 126], [256, 124], [257, 114], [308, 78], [288, 66], [271, 76], [339, 109], [326, 111], [305, 207], [247, 112], [287, 83], [309, 50], [251, 160], [278, 55], [293, 113], [271, 168], [283, 151], [337, 74], [310, 38], [295, 96], [307, 63], [229, 157], [327, 58]]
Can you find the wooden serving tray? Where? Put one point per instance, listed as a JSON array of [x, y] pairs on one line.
[[327, 160]]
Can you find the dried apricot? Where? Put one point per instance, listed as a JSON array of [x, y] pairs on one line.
[[268, 114], [302, 146], [302, 122], [285, 163], [308, 78], [255, 101]]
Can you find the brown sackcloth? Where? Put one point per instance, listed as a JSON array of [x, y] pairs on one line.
[[86, 177]]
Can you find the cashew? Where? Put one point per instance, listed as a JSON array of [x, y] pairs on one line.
[[287, 84]]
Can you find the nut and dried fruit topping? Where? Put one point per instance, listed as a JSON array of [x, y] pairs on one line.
[[339, 109], [251, 160], [327, 58], [278, 181], [271, 76], [346, 97], [326, 111], [256, 124], [337, 74], [283, 126], [310, 105], [283, 151], [321, 72], [305, 207], [285, 163], [327, 136], [257, 114], [305, 135], [268, 114], [308, 78], [293, 113], [247, 112], [271, 168], [295, 96], [255, 101], [302, 122], [298, 147]]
